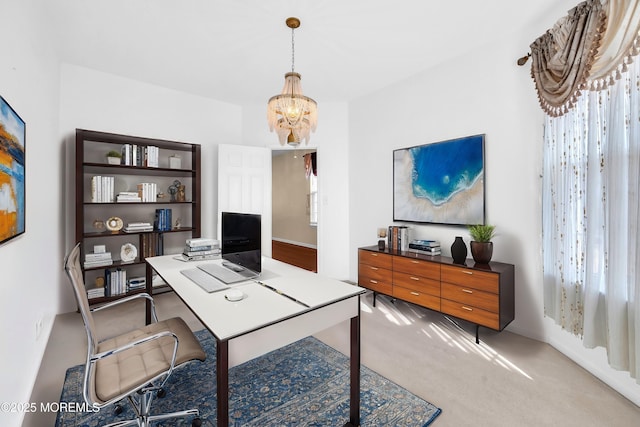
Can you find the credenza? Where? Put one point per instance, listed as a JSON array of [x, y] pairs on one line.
[[482, 294]]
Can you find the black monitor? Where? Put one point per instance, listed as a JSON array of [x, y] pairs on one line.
[[242, 239]]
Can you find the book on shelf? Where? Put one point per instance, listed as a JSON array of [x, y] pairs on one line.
[[152, 244], [424, 247], [147, 191], [163, 220], [429, 243], [115, 282], [138, 155], [398, 237], [136, 227], [95, 292], [102, 189], [97, 259], [136, 283], [128, 196], [428, 252]]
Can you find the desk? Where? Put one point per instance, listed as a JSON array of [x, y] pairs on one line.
[[284, 305]]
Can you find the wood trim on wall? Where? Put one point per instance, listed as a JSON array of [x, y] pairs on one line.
[[300, 256]]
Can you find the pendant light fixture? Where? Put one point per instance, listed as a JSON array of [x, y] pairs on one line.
[[291, 114]]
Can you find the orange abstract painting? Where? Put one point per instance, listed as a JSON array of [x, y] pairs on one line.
[[12, 173]]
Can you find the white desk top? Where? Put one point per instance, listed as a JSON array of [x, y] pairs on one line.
[[289, 291]]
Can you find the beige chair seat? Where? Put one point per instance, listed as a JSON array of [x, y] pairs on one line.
[[130, 368]]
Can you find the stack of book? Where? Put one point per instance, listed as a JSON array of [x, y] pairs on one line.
[[426, 247], [200, 249], [97, 259], [128, 196], [95, 292], [138, 155], [137, 227], [136, 283]]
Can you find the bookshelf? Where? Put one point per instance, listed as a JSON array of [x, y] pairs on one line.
[[117, 233]]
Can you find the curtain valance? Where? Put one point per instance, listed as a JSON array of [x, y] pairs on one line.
[[563, 56]]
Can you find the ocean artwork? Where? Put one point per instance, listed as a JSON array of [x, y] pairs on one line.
[[12, 173], [441, 182]]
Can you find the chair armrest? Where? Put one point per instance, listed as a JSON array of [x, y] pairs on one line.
[[131, 298]]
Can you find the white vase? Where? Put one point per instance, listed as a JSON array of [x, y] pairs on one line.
[[113, 160]]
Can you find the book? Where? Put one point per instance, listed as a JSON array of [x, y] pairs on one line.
[[432, 243], [420, 251], [423, 247], [202, 241]]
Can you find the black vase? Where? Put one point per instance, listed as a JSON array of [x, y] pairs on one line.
[[459, 250]]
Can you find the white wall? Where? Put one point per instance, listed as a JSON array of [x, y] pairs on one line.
[[30, 263], [482, 92], [94, 100]]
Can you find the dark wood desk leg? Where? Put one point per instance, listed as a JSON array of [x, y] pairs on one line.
[[354, 398], [149, 290], [222, 382]]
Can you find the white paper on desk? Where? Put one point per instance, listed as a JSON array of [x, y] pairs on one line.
[[311, 289]]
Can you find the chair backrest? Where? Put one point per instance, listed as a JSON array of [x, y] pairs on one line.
[[74, 271]]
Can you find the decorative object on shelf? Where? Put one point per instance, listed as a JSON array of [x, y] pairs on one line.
[[114, 224], [175, 162], [291, 114], [128, 252], [180, 195], [178, 224], [98, 224], [173, 191], [481, 244], [12, 173], [114, 157], [382, 236], [458, 250]]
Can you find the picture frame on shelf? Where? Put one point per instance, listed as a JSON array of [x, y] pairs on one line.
[[12, 173]]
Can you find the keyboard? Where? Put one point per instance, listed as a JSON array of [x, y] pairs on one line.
[[225, 274], [204, 280]]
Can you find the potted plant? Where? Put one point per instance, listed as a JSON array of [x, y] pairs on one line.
[[481, 244], [113, 157]]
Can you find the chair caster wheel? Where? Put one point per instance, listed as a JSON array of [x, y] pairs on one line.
[[197, 422], [117, 410], [161, 393]]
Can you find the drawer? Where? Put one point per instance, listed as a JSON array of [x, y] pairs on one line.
[[470, 313], [416, 283], [481, 280], [471, 297], [420, 298], [376, 259], [374, 278], [417, 267]]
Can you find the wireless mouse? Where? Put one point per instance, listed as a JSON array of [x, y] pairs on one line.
[[234, 295]]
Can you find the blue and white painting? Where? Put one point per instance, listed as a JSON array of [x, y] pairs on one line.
[[441, 182]]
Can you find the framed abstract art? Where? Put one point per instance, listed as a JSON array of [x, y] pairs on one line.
[[12, 173]]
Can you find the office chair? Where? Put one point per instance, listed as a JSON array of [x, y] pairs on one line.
[[135, 364]]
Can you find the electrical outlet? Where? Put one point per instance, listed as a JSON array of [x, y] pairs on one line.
[[38, 328]]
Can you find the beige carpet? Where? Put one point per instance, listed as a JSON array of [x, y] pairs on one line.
[[506, 380]]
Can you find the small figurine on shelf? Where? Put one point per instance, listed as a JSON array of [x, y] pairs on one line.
[[178, 224], [382, 235], [180, 196]]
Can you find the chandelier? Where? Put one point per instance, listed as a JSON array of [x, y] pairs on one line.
[[291, 114]]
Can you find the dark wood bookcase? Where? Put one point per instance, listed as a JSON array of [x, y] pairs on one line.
[[91, 149]]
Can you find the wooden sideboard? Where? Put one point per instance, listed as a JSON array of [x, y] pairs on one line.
[[479, 293]]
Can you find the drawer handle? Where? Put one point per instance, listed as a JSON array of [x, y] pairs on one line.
[[467, 272], [415, 262], [467, 308], [374, 268], [415, 293], [417, 279], [374, 254], [373, 281], [469, 291]]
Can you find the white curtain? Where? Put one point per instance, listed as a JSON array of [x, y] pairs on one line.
[[591, 219]]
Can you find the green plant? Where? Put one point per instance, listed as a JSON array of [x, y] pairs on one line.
[[482, 233], [114, 153]]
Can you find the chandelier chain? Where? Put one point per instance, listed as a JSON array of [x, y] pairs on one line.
[[293, 50]]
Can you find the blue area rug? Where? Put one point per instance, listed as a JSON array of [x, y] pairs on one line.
[[303, 384]]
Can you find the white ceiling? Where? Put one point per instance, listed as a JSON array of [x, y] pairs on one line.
[[238, 50]]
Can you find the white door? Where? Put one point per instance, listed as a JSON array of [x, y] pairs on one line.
[[244, 185]]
